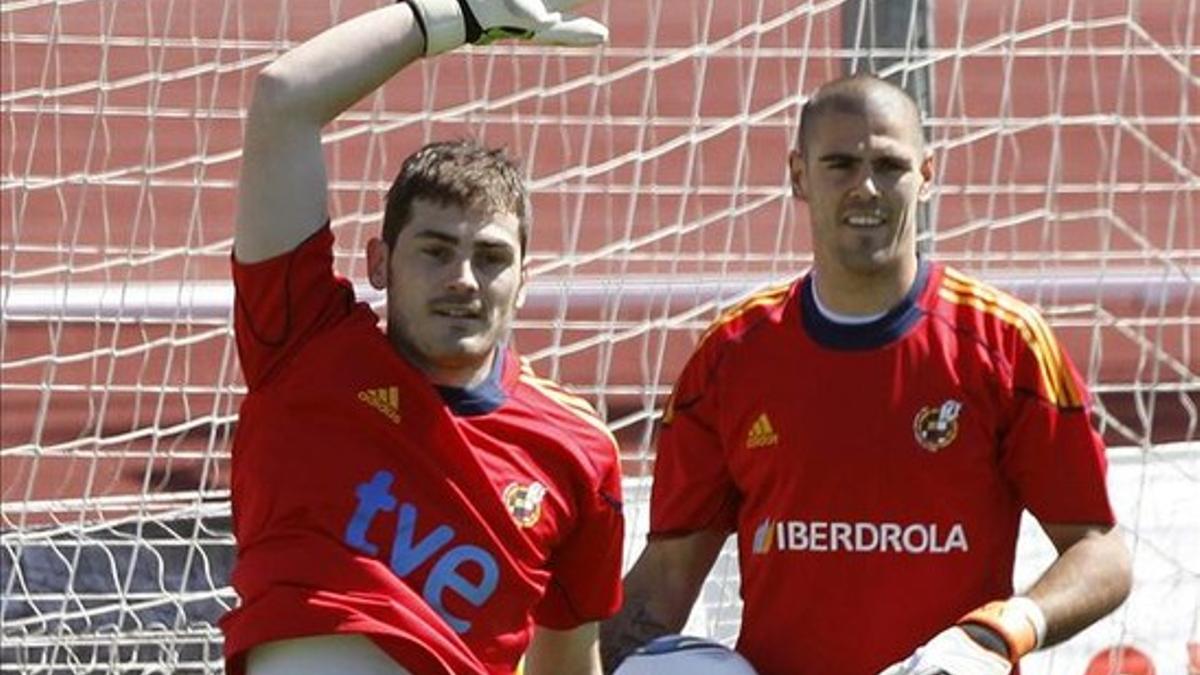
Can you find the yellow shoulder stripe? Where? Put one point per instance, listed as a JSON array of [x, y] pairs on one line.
[[561, 395], [576, 405], [1060, 386], [768, 296]]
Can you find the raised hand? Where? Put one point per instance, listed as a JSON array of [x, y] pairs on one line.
[[450, 23]]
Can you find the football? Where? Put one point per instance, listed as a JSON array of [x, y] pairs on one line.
[[684, 655]]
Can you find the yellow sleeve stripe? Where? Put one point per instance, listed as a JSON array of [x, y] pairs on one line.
[[561, 395], [1059, 382], [1052, 391], [1060, 385], [1039, 339], [773, 294], [768, 296], [579, 407]]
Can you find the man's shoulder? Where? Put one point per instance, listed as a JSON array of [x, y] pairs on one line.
[[358, 326], [561, 413], [1012, 331], [969, 301], [342, 346], [761, 309]]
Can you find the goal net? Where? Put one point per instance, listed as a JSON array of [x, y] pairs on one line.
[[1067, 141]]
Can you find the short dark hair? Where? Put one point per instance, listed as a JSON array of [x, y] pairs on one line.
[[848, 95], [459, 173]]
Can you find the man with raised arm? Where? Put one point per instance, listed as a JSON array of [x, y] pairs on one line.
[[415, 501], [872, 432]]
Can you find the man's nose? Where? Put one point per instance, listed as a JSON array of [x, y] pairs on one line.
[[462, 277], [866, 185]]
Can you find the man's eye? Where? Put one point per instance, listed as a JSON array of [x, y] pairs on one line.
[[493, 259], [438, 253]]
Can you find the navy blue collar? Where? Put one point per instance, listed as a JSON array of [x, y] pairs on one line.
[[484, 397], [857, 337]]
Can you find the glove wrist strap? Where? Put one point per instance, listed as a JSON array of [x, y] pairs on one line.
[[1034, 614], [1018, 620]]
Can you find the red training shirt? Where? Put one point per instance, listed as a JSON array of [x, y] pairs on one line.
[[440, 523], [875, 474]]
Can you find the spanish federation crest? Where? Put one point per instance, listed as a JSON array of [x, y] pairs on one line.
[[524, 502], [937, 427]]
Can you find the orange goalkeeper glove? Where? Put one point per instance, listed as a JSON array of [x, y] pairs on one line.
[[987, 641]]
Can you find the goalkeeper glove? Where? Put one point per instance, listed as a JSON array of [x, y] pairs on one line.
[[450, 23], [1016, 626]]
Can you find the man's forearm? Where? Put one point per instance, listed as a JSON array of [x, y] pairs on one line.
[[327, 74], [635, 625], [660, 590], [563, 652], [282, 188], [1090, 578]]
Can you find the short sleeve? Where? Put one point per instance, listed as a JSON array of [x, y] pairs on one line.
[[283, 301], [693, 489], [1050, 451], [585, 583]]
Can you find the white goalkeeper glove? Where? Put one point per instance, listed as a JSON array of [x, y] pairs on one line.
[[450, 23], [1018, 622], [954, 652]]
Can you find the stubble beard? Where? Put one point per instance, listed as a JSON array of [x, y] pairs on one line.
[[874, 253], [450, 350]]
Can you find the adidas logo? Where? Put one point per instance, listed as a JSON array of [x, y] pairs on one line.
[[761, 433], [384, 399]]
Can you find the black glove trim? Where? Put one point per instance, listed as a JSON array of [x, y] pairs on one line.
[[473, 30], [417, 15], [986, 638]]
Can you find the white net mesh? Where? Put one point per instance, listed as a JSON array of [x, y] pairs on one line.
[[1066, 135]]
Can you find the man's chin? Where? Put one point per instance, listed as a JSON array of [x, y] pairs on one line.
[[458, 353], [872, 259], [461, 354]]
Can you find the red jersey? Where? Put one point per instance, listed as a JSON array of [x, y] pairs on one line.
[[441, 524], [875, 474]]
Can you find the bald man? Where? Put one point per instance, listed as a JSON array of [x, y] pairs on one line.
[[872, 432]]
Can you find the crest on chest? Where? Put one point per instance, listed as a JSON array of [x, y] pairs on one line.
[[524, 502], [936, 427]]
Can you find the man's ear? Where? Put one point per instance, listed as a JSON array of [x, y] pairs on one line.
[[796, 173], [377, 263], [524, 286], [927, 174]]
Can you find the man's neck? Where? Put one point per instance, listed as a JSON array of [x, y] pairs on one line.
[[458, 377], [856, 294], [461, 378]]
